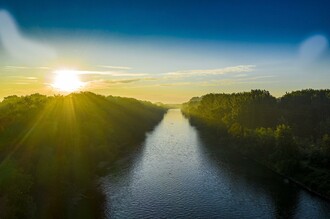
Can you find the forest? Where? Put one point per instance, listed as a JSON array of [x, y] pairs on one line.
[[289, 134], [52, 148]]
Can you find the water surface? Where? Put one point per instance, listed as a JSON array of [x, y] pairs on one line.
[[177, 174]]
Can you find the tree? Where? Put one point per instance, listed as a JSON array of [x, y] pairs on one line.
[[284, 140]]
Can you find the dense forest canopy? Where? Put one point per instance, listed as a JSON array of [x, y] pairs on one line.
[[307, 111], [290, 134], [51, 147]]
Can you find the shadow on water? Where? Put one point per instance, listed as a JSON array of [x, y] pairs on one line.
[[121, 169], [286, 197], [92, 204]]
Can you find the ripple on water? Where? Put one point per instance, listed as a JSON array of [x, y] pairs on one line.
[[175, 175]]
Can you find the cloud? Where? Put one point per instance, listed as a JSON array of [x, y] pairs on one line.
[[220, 82], [179, 78], [115, 67], [312, 48], [116, 82], [12, 67], [20, 47], [110, 73], [24, 77], [218, 71], [21, 79], [107, 83], [124, 81]]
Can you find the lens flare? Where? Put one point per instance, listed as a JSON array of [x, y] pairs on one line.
[[313, 47]]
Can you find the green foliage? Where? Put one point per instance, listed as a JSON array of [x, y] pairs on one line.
[[236, 130], [326, 146], [282, 133], [285, 142], [57, 143], [307, 112], [265, 141], [15, 186], [249, 109]]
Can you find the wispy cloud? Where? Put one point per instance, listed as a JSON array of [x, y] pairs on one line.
[[14, 67], [22, 77], [235, 81], [21, 80], [113, 73], [104, 82], [115, 67], [218, 71], [110, 73], [124, 81], [20, 47], [11, 67], [218, 82], [186, 78], [26, 78]]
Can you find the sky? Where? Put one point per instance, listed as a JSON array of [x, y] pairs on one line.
[[163, 51]]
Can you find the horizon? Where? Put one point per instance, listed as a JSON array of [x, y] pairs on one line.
[[163, 52], [159, 102]]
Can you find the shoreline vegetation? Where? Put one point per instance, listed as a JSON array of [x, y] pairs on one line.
[[54, 148], [289, 135]]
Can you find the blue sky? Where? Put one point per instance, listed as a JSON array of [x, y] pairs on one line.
[[170, 50], [256, 21], [253, 20]]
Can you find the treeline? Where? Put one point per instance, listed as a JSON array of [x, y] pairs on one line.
[[52, 148], [290, 134]]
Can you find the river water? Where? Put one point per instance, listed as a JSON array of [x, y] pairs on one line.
[[176, 174]]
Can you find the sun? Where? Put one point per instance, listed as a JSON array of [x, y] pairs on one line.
[[67, 81]]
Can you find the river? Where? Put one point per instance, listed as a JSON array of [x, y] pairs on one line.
[[176, 174]]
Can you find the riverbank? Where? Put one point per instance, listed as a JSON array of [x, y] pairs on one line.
[[231, 143], [53, 149], [289, 134], [300, 184]]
